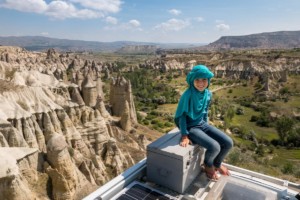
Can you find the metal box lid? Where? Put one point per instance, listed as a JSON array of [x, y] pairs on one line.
[[168, 145]]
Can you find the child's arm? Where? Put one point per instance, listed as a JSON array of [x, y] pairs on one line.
[[183, 126], [205, 117], [184, 132]]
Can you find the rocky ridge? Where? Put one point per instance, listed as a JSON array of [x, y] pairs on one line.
[[271, 40], [234, 65], [55, 128], [270, 67]]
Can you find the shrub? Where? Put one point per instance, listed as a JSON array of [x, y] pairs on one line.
[[260, 150], [284, 91], [150, 117], [257, 85], [234, 156], [284, 127], [287, 168], [160, 124], [240, 111], [153, 112], [263, 121], [271, 149], [297, 174], [154, 121], [146, 122], [253, 118], [168, 124]]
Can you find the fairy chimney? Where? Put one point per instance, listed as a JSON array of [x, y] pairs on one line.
[[267, 83], [106, 74], [61, 170], [89, 91], [52, 54], [283, 75], [101, 107], [74, 65], [79, 78], [99, 85], [125, 118], [75, 95], [120, 92]]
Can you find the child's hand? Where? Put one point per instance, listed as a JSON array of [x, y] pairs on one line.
[[185, 141]]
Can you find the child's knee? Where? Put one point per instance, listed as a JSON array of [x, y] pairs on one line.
[[216, 148], [229, 143]]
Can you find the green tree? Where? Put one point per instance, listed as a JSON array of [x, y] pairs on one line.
[[260, 150], [234, 156], [284, 126], [287, 168], [284, 91], [230, 113]]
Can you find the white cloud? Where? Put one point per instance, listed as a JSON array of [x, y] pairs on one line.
[[173, 25], [223, 27], [111, 20], [174, 12], [44, 33], [62, 9], [200, 19], [134, 23], [36, 6], [102, 5]]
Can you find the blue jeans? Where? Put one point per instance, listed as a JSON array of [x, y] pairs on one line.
[[216, 142]]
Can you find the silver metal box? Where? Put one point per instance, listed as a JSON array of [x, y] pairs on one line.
[[170, 165]]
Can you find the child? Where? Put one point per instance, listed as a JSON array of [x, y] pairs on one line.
[[191, 119]]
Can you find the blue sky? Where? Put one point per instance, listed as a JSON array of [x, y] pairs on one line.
[[169, 21]]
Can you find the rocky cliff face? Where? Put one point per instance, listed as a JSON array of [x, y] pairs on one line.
[[19, 168], [272, 40], [234, 65], [69, 142]]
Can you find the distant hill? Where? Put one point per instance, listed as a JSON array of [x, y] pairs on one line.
[[39, 43], [271, 40]]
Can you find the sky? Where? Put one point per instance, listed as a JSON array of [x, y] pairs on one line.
[[160, 21]]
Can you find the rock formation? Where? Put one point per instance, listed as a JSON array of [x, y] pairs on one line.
[[121, 89], [75, 95], [101, 108], [125, 118], [61, 126], [99, 86], [230, 65], [61, 169], [18, 169], [89, 91]]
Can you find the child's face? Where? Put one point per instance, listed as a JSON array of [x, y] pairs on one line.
[[200, 84]]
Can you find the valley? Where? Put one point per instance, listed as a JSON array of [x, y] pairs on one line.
[[70, 122]]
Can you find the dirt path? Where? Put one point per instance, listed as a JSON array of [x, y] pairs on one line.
[[224, 87]]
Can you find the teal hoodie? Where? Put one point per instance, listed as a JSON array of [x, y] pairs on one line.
[[193, 103]]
